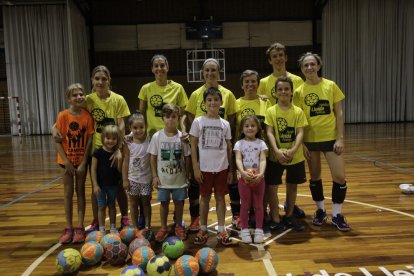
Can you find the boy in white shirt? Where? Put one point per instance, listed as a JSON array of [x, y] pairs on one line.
[[169, 158], [211, 136]]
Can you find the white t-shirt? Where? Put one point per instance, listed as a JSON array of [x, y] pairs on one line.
[[170, 165], [212, 135], [139, 169], [250, 151]]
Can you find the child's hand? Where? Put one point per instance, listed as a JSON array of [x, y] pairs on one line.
[[128, 138], [281, 156], [117, 155], [256, 179], [69, 167], [185, 137], [96, 189], [306, 153], [247, 177], [288, 154], [155, 182], [126, 185], [198, 176]]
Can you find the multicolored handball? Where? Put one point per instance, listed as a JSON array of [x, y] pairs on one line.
[[95, 236], [137, 243], [159, 265], [68, 261], [132, 270], [116, 252], [142, 256], [127, 234], [91, 253], [110, 238], [186, 265], [207, 259], [173, 247]]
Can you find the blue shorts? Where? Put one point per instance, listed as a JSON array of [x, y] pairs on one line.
[[107, 196], [177, 194]]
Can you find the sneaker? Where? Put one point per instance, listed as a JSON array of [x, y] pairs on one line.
[[201, 238], [114, 231], [194, 225], [258, 235], [141, 222], [245, 236], [147, 234], [340, 223], [297, 212], [180, 232], [276, 226], [161, 234], [224, 238], [66, 236], [125, 222], [235, 222], [94, 227], [79, 235], [291, 222], [320, 217]]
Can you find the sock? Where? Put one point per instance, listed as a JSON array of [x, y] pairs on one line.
[[113, 226], [336, 209], [102, 229], [220, 228], [320, 204], [203, 227]]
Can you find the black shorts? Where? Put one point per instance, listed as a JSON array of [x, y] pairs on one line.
[[295, 174], [320, 146]]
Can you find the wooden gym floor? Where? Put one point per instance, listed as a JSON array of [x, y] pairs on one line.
[[378, 157]]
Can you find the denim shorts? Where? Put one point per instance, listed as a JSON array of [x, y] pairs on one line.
[[177, 194], [107, 196]]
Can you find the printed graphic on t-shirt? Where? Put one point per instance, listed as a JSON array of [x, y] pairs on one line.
[[317, 106], [222, 110], [76, 141], [212, 138], [101, 120], [171, 153], [248, 156], [286, 133], [157, 102], [137, 164], [273, 93]]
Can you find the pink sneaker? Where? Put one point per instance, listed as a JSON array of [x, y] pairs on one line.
[[125, 222], [79, 235], [94, 227], [66, 236]]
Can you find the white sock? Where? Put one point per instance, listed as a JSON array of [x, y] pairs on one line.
[[203, 227], [113, 226], [320, 204], [336, 209], [102, 229], [220, 228]]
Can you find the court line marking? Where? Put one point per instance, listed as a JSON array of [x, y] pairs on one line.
[[41, 258], [266, 262], [31, 192]]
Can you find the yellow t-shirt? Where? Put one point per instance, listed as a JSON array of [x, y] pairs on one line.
[[156, 96], [285, 123], [256, 107], [105, 112], [196, 103], [317, 102], [267, 86]]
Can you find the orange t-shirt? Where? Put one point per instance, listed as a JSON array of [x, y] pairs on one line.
[[75, 130]]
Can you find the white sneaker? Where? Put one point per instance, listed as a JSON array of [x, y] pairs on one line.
[[407, 188], [245, 236], [258, 235]]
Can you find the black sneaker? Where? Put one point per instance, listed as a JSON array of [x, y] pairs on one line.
[[276, 226], [297, 212], [320, 217], [340, 223], [291, 222]]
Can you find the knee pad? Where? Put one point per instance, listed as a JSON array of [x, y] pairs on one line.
[[316, 189], [193, 191], [234, 193], [338, 192]]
